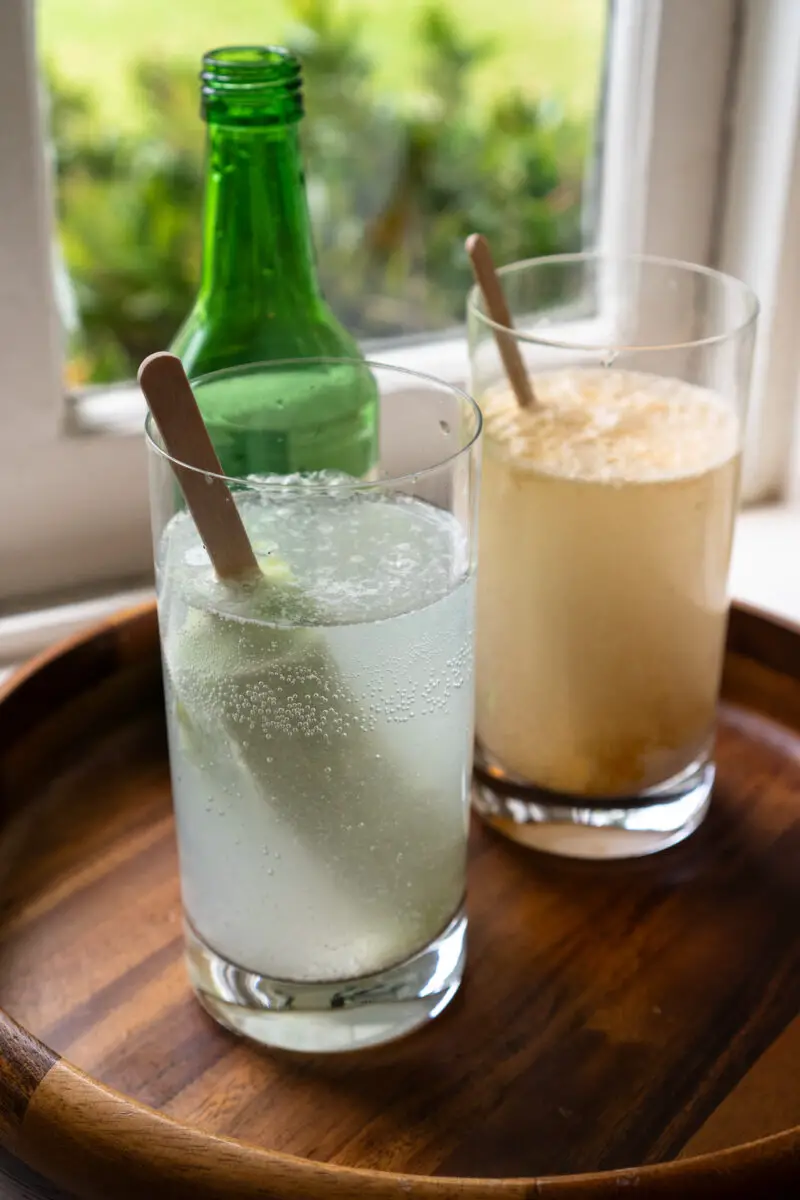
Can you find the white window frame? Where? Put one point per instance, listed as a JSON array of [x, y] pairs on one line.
[[694, 85], [75, 508], [760, 232]]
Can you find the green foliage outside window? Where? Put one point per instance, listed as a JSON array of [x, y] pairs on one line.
[[394, 188]]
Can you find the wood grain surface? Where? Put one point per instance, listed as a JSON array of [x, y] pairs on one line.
[[613, 1015]]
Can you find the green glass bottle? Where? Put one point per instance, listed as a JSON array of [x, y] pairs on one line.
[[259, 299]]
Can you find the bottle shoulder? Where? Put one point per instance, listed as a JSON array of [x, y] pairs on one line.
[[207, 342]]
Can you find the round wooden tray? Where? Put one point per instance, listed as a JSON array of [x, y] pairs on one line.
[[622, 1026]]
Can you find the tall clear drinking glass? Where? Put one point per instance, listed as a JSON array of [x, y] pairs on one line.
[[607, 514], [321, 725]]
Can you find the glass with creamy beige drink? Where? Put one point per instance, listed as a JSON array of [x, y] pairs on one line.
[[607, 518]]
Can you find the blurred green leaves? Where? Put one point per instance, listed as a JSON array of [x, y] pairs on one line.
[[395, 184]]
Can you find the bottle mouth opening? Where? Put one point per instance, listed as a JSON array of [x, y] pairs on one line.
[[273, 64], [251, 85]]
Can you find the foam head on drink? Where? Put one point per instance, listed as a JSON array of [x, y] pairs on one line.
[[320, 726], [606, 524]]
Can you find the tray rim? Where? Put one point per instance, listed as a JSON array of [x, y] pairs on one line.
[[47, 1101]]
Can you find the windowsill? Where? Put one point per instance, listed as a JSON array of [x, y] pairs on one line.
[[119, 409], [766, 566], [765, 573], [115, 409]]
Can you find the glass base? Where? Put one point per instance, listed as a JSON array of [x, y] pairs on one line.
[[622, 827], [322, 1018]]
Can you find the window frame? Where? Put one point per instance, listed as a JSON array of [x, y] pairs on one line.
[[75, 507], [77, 485], [759, 235]]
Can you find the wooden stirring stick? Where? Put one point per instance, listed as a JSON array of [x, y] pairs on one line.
[[171, 401], [486, 278]]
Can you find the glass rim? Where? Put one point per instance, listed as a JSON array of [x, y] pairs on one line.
[[721, 277], [276, 485]]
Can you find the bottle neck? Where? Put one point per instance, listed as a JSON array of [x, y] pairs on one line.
[[257, 250]]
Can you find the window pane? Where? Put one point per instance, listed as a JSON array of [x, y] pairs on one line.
[[426, 121]]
